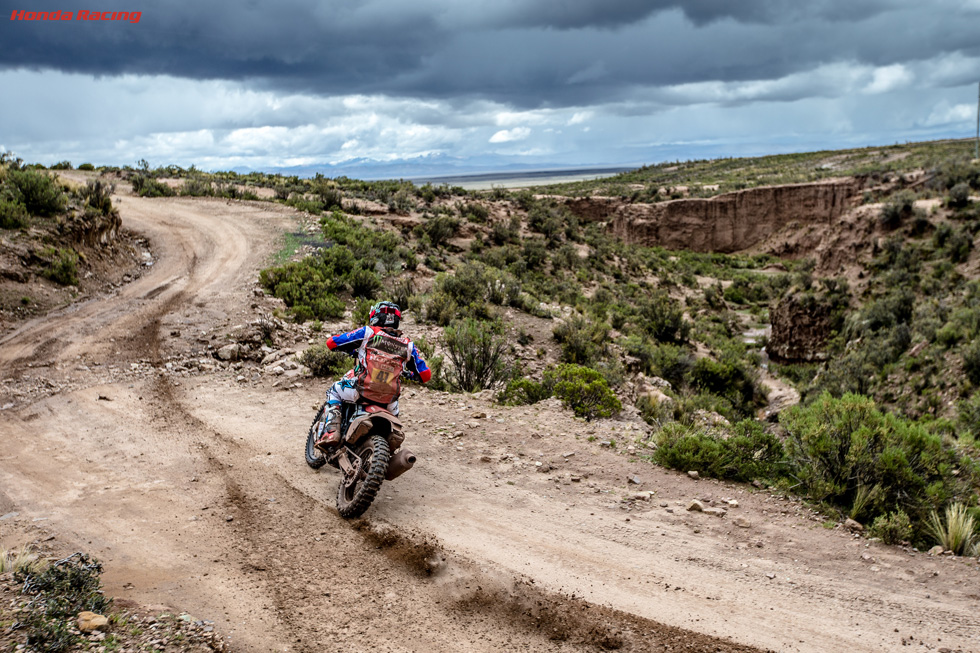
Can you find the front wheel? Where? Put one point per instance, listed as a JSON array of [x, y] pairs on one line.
[[358, 489], [314, 457]]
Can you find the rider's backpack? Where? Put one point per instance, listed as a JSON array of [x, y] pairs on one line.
[[383, 357]]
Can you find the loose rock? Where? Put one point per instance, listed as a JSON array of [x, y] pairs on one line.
[[88, 622]]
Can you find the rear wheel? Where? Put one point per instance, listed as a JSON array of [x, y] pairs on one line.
[[358, 489], [314, 457]]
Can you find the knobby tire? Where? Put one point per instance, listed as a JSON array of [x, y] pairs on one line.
[[314, 457], [355, 503]]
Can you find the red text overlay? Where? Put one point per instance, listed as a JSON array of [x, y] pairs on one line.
[[105, 16]]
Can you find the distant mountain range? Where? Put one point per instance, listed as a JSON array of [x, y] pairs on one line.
[[436, 168]]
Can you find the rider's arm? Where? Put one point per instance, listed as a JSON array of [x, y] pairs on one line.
[[417, 365], [348, 342]]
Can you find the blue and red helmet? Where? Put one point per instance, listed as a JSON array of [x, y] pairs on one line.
[[385, 314]]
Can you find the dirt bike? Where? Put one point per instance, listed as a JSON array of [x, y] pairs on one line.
[[368, 454]]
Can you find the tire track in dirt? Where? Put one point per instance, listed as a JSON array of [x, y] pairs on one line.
[[448, 597]]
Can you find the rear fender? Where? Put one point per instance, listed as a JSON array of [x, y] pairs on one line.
[[377, 421]]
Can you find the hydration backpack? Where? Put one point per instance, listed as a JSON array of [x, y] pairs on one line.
[[382, 357]]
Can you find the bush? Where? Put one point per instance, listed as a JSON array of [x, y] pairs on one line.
[[476, 350], [958, 533], [522, 392], [730, 380], [62, 267], [60, 591], [323, 362], [971, 362], [146, 186], [196, 187], [582, 342], [840, 447], [959, 195], [86, 166], [474, 212], [893, 528], [662, 318], [309, 287], [897, 209], [38, 192], [584, 390], [13, 214], [438, 229], [97, 195], [749, 453]]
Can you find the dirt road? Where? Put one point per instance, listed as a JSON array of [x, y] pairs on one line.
[[518, 530]]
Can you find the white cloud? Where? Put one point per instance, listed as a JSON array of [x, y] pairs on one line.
[[579, 117], [508, 135], [889, 78], [945, 114]]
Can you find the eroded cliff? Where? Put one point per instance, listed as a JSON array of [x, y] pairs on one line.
[[726, 223]]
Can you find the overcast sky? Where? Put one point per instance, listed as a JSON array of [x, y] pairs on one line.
[[243, 83]]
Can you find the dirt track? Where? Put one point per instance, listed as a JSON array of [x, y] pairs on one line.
[[194, 493]]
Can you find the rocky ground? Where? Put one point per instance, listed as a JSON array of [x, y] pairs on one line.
[[128, 435]]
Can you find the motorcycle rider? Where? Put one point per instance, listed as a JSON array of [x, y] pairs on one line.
[[383, 355]]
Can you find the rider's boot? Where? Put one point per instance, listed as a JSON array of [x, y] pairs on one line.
[[331, 432]]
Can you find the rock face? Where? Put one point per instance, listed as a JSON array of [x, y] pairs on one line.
[[726, 223], [94, 230], [801, 325]]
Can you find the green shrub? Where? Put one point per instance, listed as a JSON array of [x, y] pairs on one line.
[[839, 446], [748, 453], [958, 532], [86, 166], [364, 283], [474, 212], [897, 209], [584, 390], [438, 229], [62, 267], [37, 191], [13, 214], [728, 379], [475, 348], [522, 392], [60, 591], [959, 195], [196, 187], [323, 362], [893, 528], [662, 318], [310, 287], [97, 195], [971, 362], [583, 342]]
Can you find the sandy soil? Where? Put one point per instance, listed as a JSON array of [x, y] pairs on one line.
[[521, 529]]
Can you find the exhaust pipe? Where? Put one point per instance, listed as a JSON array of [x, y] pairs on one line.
[[400, 463]]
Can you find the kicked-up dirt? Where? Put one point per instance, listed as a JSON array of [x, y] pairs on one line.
[[519, 529]]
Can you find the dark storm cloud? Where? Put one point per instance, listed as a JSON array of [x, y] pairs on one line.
[[523, 52]]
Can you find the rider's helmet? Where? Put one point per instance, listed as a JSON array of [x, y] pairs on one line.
[[385, 314]]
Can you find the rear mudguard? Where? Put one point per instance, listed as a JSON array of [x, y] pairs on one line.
[[376, 420]]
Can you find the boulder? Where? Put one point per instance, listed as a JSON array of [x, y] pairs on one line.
[[88, 622], [853, 526], [230, 352], [695, 506]]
